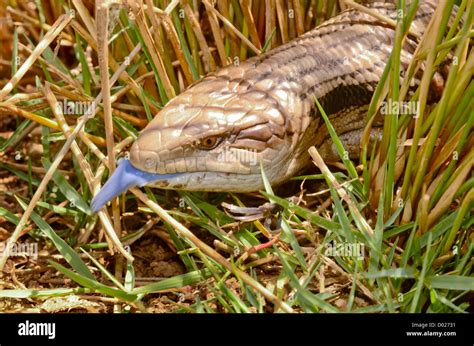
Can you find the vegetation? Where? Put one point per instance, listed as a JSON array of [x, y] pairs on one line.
[[391, 234]]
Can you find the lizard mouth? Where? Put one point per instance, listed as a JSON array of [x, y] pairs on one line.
[[125, 177]]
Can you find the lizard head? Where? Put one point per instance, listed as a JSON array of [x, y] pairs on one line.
[[207, 141]]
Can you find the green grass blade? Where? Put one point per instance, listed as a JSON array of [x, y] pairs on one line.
[[66, 251]]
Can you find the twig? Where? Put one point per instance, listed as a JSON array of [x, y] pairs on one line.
[[55, 30], [232, 27]]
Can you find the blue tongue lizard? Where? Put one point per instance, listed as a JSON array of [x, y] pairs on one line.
[[125, 177]]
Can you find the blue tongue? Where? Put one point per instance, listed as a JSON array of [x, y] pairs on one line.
[[124, 177]]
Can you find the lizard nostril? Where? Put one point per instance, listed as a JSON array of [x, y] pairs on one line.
[[145, 160], [149, 163]]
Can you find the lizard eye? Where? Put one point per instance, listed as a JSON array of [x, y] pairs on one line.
[[210, 142]]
